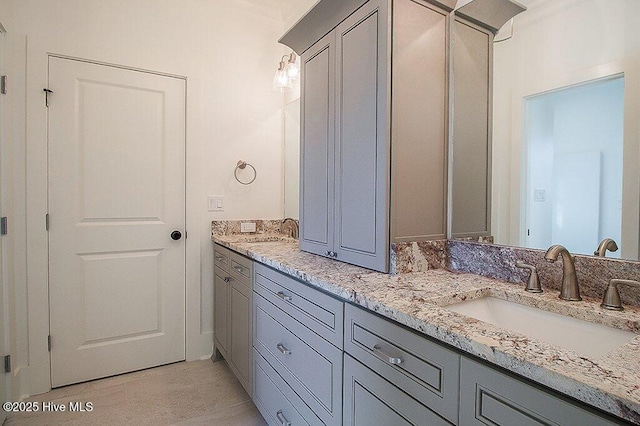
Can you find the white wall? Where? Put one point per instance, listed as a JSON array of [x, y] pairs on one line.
[[228, 52], [557, 43]]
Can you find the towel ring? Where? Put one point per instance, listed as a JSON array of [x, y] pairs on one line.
[[242, 165]]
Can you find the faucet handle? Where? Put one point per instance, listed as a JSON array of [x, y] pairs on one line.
[[533, 283], [611, 298]]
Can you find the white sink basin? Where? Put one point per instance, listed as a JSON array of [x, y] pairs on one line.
[[586, 338]]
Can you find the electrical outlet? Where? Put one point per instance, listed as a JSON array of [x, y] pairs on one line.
[[247, 227], [540, 195]]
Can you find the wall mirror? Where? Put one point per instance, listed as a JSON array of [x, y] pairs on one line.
[[566, 128], [291, 160], [571, 60]]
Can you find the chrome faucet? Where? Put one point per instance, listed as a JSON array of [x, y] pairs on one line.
[[291, 225], [569, 289], [611, 298], [606, 244]]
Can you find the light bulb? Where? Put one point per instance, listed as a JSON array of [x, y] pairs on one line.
[[292, 67], [281, 82]]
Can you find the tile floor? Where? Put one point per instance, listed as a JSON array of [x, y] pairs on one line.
[[186, 393]]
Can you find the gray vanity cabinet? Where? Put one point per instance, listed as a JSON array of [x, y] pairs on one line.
[[488, 396], [233, 295], [298, 351], [344, 151], [400, 377], [405, 375], [221, 296]]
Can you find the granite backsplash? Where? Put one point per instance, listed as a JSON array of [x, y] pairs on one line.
[[496, 261], [489, 260]]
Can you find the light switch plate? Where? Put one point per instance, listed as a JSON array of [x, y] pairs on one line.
[[215, 203], [247, 227], [540, 195]]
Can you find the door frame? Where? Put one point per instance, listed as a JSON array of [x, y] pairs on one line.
[[5, 347], [38, 370]]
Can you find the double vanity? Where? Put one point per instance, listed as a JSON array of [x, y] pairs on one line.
[[316, 341], [395, 116]]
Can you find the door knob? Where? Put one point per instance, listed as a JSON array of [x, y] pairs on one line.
[[176, 235]]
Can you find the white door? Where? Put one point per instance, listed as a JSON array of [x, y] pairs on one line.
[[116, 194]]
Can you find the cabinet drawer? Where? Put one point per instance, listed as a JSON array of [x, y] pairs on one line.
[[488, 396], [221, 257], [241, 268], [321, 313], [371, 400], [423, 369], [309, 364], [277, 403]]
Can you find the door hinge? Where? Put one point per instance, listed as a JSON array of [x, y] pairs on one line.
[[7, 363], [3, 226], [3, 84], [49, 343], [47, 92], [46, 221]]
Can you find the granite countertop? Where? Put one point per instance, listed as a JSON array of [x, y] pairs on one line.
[[610, 382]]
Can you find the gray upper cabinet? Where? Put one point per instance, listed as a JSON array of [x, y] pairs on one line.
[[471, 138], [361, 162], [344, 151], [317, 149], [419, 121], [396, 123], [373, 155]]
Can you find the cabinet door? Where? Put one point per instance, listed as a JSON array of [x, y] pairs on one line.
[[362, 135], [240, 333], [371, 400], [317, 147], [471, 150], [419, 121], [221, 310]]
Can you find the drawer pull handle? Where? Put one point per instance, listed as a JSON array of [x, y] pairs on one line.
[[283, 296], [227, 279], [282, 419], [393, 360], [219, 258], [238, 269], [282, 349]]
